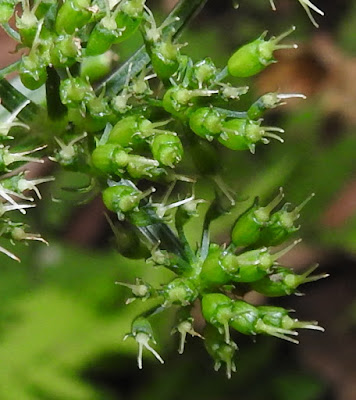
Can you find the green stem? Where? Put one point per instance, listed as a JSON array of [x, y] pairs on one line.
[[55, 108], [10, 68]]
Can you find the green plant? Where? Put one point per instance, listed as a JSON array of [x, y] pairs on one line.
[[126, 135]]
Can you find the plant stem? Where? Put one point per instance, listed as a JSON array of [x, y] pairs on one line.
[[55, 108]]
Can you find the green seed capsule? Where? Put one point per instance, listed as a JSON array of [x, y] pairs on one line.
[[75, 91], [254, 57], [167, 149], [181, 291], [99, 109], [204, 72], [65, 51], [283, 281], [247, 228], [164, 58], [244, 317], [121, 198], [180, 101], [268, 101], [281, 225], [134, 130], [46, 8], [110, 158], [275, 321], [206, 122], [33, 72], [243, 134], [73, 15], [252, 265], [129, 18], [96, 67], [213, 273], [219, 350], [217, 310], [7, 9], [27, 24], [102, 36]]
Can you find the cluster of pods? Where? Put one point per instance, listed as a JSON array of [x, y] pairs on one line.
[[139, 132]]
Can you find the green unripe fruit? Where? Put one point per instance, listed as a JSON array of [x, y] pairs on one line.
[[204, 72], [180, 291], [275, 321], [247, 228], [243, 134], [252, 265], [102, 36], [206, 122], [164, 59], [179, 101], [110, 158], [244, 317], [211, 302], [127, 26], [272, 315], [219, 350], [217, 310], [131, 131], [283, 281], [65, 51], [167, 149], [269, 101], [121, 198], [129, 18], [281, 226], [75, 91], [213, 272], [96, 67], [27, 25], [72, 15], [254, 57], [33, 73], [249, 266]]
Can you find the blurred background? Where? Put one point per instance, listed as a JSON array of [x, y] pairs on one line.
[[62, 318]]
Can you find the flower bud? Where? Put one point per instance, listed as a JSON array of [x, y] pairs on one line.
[[142, 332]]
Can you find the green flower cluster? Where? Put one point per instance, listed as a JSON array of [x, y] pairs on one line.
[[138, 131]]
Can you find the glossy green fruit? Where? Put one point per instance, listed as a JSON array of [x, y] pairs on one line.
[[254, 57], [167, 149]]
